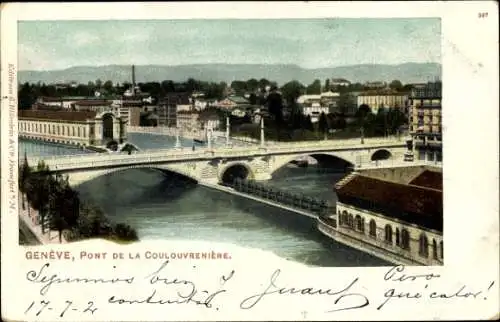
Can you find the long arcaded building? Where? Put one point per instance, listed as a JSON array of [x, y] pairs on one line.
[[395, 214], [81, 128]]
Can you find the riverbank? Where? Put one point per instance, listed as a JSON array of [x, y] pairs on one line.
[[30, 220], [328, 230], [325, 227], [258, 199], [26, 236]]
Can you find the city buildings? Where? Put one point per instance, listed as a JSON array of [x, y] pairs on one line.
[[168, 107], [375, 85], [233, 102], [314, 104], [129, 109], [188, 121], [383, 99], [395, 214], [339, 82], [81, 128], [209, 121], [92, 105], [425, 119], [63, 102]]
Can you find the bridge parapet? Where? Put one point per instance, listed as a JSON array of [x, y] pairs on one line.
[[187, 154]]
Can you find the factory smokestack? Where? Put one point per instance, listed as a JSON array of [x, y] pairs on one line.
[[133, 79]]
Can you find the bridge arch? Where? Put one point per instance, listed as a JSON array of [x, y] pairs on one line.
[[79, 177], [323, 158], [381, 154], [235, 170], [107, 126]]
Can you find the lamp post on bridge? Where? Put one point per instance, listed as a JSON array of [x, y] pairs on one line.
[[227, 130], [178, 144], [209, 139], [262, 142]]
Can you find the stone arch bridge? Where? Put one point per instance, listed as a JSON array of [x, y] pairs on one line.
[[219, 165]]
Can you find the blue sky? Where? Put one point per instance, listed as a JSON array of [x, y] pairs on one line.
[[309, 43]]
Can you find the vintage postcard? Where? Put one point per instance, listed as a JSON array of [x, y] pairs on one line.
[[249, 161]]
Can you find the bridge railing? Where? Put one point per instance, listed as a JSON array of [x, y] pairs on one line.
[[77, 161], [397, 162], [295, 200]]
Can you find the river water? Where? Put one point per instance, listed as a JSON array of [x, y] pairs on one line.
[[168, 206]]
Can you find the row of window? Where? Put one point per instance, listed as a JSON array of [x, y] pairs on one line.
[[402, 237], [63, 130]]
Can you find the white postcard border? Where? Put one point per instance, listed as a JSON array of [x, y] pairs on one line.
[[470, 78]]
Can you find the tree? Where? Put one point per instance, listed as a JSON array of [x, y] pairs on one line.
[[112, 145], [343, 103], [108, 87], [362, 114], [167, 86], [407, 87], [396, 85], [214, 91], [327, 85], [263, 83], [24, 177], [40, 191], [192, 85], [314, 88], [26, 96], [297, 119], [363, 111], [125, 232], [275, 106], [323, 124], [56, 205], [253, 99], [239, 86], [98, 84], [307, 123], [252, 85], [291, 91]]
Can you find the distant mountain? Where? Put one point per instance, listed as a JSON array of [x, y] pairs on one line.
[[407, 73]]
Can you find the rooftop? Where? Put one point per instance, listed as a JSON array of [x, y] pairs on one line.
[[65, 98], [330, 94], [73, 116], [429, 179], [387, 92], [175, 98], [94, 103], [238, 99], [410, 203], [340, 80]]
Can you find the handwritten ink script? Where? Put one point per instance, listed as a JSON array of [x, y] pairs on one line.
[[162, 287]]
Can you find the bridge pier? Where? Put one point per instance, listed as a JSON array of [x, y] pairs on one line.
[[263, 176]]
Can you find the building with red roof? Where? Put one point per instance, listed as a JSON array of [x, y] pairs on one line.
[[401, 222]]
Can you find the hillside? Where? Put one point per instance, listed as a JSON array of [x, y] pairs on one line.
[[407, 73]]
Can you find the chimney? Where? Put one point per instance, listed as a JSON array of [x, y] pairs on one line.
[[133, 80]]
